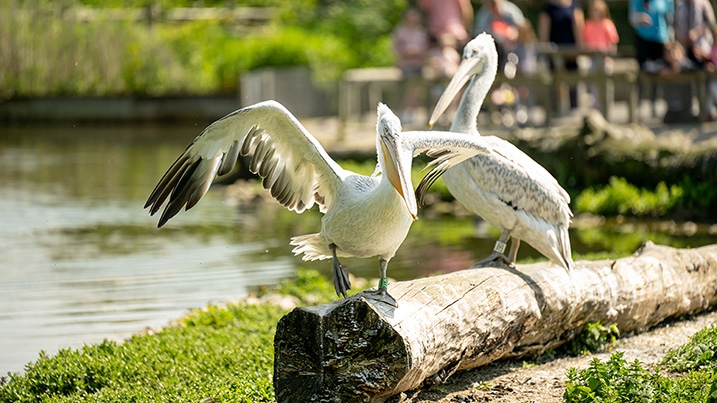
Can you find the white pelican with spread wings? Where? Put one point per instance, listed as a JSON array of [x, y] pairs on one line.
[[364, 216]]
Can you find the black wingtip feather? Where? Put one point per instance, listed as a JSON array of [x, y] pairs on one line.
[[180, 193], [167, 179], [426, 183]]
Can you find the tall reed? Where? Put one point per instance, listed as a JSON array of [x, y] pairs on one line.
[[45, 52]]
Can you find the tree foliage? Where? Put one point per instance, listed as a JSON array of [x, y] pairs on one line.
[[48, 52]]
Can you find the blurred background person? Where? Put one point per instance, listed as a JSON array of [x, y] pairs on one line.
[[693, 24], [410, 45], [599, 33], [678, 96], [651, 21], [449, 17], [502, 19], [673, 61], [442, 64], [561, 22], [527, 65], [711, 67]]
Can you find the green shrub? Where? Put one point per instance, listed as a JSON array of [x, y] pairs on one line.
[[614, 380], [698, 195], [594, 337], [620, 197], [617, 381], [700, 352]]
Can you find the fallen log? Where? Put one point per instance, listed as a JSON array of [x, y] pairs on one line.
[[353, 351]]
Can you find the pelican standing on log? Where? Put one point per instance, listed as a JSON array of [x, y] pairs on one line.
[[364, 216], [507, 188]]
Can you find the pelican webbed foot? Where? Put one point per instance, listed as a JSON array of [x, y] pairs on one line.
[[341, 275], [380, 295], [495, 259]]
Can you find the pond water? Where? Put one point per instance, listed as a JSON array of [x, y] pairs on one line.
[[81, 260]]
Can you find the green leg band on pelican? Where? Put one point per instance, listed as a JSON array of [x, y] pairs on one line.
[[382, 283]]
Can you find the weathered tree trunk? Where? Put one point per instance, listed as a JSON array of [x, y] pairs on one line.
[[352, 351]]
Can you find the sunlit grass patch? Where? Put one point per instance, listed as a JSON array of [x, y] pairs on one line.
[[222, 353]]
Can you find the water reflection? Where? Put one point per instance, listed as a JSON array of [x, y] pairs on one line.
[[82, 261]]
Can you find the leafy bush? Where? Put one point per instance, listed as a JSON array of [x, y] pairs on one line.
[[617, 381], [363, 26], [620, 197], [218, 59], [698, 195], [593, 338], [614, 380], [700, 352]]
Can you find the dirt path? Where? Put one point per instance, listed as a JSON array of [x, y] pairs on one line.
[[514, 382]]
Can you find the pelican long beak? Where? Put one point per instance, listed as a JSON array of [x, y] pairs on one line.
[[398, 172], [466, 70]]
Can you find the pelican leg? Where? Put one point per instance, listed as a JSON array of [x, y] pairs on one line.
[[341, 275], [513, 255], [497, 256], [381, 294]]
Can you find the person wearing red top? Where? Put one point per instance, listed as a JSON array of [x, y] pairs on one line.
[[410, 45], [453, 17], [599, 32]]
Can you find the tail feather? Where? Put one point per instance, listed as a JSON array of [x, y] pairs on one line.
[[565, 249], [312, 246]]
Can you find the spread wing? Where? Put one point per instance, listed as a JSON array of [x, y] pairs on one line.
[[447, 149], [295, 168]]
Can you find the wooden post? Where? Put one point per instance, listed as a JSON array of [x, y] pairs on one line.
[[353, 351], [634, 98], [702, 89]]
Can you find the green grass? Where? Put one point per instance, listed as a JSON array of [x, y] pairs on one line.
[[686, 374], [219, 353]]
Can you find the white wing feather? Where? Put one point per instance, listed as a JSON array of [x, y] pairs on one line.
[[296, 169], [447, 149]]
